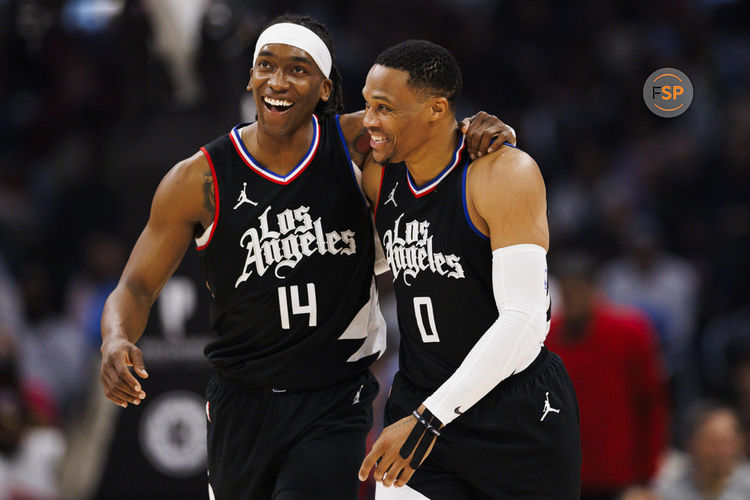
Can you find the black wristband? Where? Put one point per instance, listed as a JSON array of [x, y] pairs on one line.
[[418, 437]]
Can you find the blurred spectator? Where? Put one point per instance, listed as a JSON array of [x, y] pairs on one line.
[[715, 466], [664, 286], [740, 382], [52, 352], [104, 258], [723, 343], [177, 26], [30, 455], [639, 493], [612, 358]]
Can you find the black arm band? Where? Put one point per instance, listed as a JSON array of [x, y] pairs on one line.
[[422, 447], [426, 423]]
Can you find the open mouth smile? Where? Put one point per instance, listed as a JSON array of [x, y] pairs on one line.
[[377, 140], [277, 105]]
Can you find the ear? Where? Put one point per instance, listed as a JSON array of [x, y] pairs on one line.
[[438, 108], [250, 81], [326, 89]]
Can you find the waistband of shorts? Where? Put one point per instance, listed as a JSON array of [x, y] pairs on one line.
[[529, 372], [242, 386]]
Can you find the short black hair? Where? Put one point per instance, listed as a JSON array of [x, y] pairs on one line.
[[431, 67], [335, 103]]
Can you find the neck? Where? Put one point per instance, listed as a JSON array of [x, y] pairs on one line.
[[429, 159], [712, 485], [279, 153]]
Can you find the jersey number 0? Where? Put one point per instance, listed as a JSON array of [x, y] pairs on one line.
[[422, 309], [310, 308]]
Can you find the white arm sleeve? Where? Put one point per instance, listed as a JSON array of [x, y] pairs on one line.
[[519, 282]]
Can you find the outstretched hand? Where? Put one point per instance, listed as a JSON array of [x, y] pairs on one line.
[[120, 386], [390, 468], [486, 133]]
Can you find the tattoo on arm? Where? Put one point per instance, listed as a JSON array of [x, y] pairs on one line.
[[209, 198]]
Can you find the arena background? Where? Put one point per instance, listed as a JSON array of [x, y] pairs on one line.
[[99, 98]]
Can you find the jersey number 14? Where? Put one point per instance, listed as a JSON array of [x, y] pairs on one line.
[[311, 308]]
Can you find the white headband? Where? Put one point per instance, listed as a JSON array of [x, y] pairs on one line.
[[300, 37]]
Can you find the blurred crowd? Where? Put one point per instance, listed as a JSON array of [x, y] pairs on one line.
[[649, 217]]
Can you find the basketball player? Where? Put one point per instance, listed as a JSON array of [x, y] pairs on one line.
[[286, 239], [477, 393]]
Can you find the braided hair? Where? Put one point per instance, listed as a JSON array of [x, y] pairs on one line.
[[335, 102]]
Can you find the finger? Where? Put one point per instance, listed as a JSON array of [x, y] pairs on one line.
[[464, 125], [108, 393], [512, 138], [115, 392], [471, 135], [404, 477], [497, 142], [136, 356], [112, 381], [485, 141], [382, 468], [124, 380], [393, 474], [124, 372], [368, 463]]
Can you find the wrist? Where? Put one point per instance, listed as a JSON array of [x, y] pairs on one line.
[[114, 336]]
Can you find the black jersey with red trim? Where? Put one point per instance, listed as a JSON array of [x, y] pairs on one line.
[[289, 262], [442, 269]]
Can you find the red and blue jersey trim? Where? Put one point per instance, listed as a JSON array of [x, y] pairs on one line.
[[264, 172], [217, 203], [430, 186]]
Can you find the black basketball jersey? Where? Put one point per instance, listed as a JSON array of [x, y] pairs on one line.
[[442, 269], [289, 262]]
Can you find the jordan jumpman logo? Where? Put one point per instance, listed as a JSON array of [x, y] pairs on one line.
[[547, 407], [391, 197], [243, 198]]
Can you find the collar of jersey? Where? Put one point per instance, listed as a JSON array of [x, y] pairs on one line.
[[264, 172], [431, 185]]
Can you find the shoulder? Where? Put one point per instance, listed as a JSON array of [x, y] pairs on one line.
[[184, 189], [506, 190], [189, 172], [351, 124], [509, 170]]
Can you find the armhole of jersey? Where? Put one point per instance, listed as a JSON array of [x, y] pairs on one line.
[[205, 239], [464, 204], [353, 167], [380, 188]]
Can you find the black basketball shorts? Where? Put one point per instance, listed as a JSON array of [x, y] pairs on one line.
[[521, 441], [288, 445]]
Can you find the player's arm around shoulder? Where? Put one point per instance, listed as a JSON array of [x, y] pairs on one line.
[[372, 174], [356, 136], [506, 199], [183, 202]]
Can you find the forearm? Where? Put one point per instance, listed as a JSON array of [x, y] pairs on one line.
[[511, 343], [125, 314]]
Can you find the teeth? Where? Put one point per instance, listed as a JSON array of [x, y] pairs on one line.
[[377, 138], [277, 102]]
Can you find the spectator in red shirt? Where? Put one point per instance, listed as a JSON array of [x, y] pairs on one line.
[[612, 358]]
